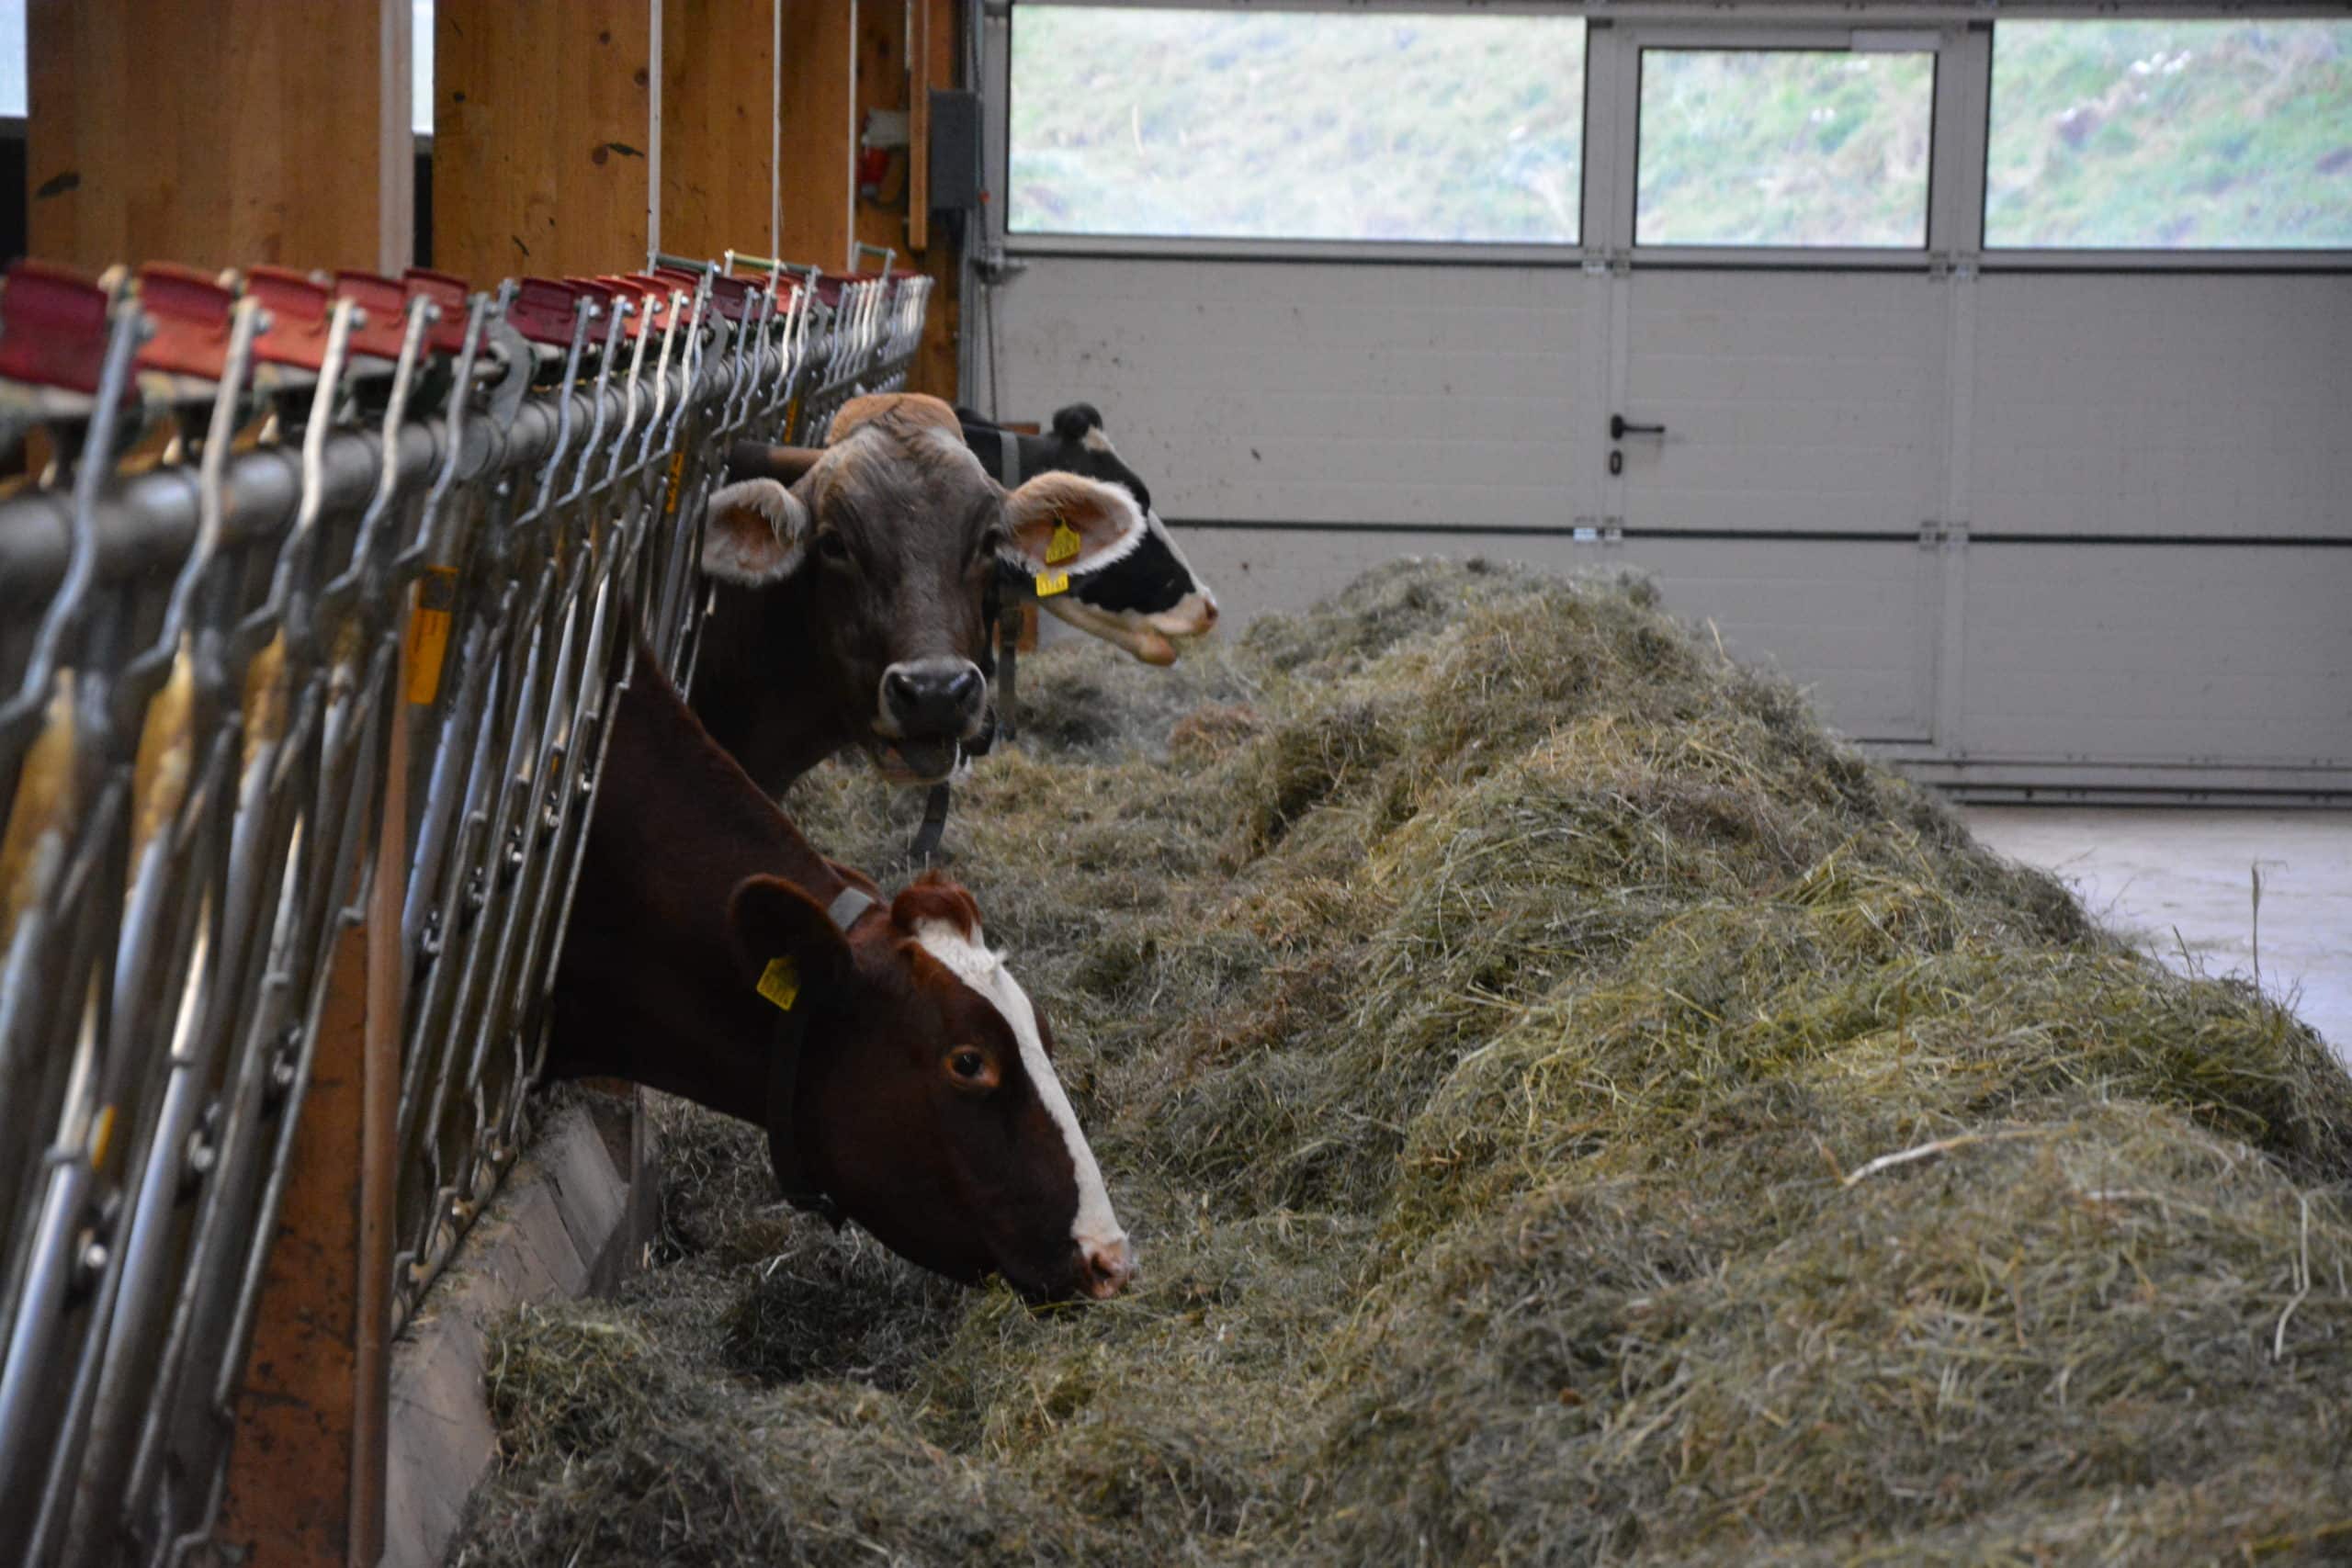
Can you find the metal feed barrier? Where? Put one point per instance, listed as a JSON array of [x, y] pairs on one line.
[[312, 561], [861, 331]]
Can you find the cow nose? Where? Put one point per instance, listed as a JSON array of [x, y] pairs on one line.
[[1109, 1268], [930, 697], [1208, 613]]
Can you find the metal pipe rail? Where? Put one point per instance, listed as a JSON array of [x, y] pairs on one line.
[[869, 331], [212, 662]]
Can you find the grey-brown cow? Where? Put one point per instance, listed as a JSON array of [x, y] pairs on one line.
[[851, 581]]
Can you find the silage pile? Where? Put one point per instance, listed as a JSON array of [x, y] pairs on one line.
[[1569, 1108]]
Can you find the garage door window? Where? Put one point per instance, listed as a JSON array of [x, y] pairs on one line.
[[2210, 135], [1347, 125], [1784, 147]]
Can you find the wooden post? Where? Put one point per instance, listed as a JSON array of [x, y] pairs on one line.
[[220, 132], [881, 84], [540, 137], [291, 1471], [820, 133], [919, 57], [937, 65], [718, 126], [306, 1475]]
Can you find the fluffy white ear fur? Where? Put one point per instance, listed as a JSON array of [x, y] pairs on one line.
[[757, 533], [1108, 523]]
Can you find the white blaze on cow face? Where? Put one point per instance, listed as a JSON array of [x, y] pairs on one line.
[[1095, 1231]]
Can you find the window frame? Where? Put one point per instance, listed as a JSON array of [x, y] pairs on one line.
[[1702, 41], [2027, 259], [1615, 32], [997, 152], [1740, 32]]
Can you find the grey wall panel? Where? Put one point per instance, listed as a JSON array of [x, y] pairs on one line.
[[1856, 623], [1311, 392], [2164, 403], [2176, 654], [2189, 405], [1792, 401]]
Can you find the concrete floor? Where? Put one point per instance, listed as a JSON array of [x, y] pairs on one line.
[[2184, 879]]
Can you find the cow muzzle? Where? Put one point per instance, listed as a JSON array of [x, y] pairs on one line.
[[927, 709], [1106, 1268], [931, 699]]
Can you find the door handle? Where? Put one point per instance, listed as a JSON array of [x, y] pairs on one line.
[[1619, 428]]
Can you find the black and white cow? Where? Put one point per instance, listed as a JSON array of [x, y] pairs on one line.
[[1150, 602]]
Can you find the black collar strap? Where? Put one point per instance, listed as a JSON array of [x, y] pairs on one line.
[[783, 1081]]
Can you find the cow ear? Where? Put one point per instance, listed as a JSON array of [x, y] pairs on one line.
[[771, 921], [1062, 522], [756, 534]]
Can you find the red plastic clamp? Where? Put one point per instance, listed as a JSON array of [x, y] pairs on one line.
[[52, 327], [544, 309], [449, 291], [297, 304], [189, 310], [646, 297], [385, 302]]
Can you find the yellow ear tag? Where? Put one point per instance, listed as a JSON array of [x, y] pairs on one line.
[[1064, 546], [1052, 582], [780, 983]]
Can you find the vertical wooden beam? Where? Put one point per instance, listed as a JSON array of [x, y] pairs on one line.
[[819, 39], [218, 132], [718, 128], [919, 128], [881, 84], [292, 1470], [379, 1154], [539, 136], [940, 66]]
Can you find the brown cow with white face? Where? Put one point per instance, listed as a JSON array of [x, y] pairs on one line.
[[851, 581], [904, 1077]]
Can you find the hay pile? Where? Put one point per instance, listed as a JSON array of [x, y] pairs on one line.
[[1569, 1107]]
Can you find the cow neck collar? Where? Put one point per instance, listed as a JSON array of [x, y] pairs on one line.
[[783, 1082], [1008, 458]]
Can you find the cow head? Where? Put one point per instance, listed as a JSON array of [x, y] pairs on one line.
[[925, 1103], [886, 537], [1152, 603]]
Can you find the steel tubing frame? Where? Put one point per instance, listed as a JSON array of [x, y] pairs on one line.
[[205, 664]]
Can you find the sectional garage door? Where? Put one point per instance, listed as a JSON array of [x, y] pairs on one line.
[[2027, 522]]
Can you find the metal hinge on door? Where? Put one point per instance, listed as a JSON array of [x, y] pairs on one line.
[[1933, 534], [1958, 265], [1603, 261]]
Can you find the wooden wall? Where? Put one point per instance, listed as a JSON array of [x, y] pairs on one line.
[[820, 131], [217, 133], [540, 137], [719, 125], [223, 132]]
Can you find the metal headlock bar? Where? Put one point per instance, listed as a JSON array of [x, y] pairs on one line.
[[293, 529]]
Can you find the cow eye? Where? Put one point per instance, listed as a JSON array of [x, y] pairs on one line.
[[832, 548], [970, 1070]]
